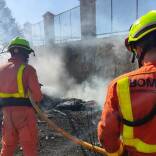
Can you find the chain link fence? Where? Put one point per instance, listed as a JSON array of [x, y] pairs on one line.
[[67, 25], [117, 16], [34, 33], [111, 17], [38, 37], [66, 28]]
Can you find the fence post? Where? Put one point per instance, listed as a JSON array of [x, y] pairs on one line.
[[48, 19], [137, 13], [88, 18]]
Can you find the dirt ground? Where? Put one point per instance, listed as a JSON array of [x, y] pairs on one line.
[[53, 144], [82, 124]]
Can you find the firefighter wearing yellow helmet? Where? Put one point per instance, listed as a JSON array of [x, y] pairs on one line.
[[128, 119], [142, 33]]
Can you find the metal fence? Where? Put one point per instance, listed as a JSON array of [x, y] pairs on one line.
[[67, 25], [112, 16], [116, 16], [34, 33], [38, 37]]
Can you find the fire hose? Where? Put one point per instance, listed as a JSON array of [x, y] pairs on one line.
[[74, 139]]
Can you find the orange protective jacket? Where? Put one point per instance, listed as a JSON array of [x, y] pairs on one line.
[[19, 122], [142, 86], [8, 79]]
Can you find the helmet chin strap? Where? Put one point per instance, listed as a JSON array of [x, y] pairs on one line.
[[140, 58], [33, 53], [133, 57]]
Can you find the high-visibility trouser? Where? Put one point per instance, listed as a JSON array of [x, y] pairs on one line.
[[19, 127]]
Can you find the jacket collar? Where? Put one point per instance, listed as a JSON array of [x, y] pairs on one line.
[[15, 60]]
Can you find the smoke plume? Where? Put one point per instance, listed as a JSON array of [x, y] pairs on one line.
[[58, 83], [109, 60]]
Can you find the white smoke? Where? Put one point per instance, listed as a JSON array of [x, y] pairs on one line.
[[95, 89], [57, 83], [50, 68], [4, 57], [110, 59]]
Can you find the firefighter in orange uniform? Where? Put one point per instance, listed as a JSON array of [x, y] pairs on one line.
[[128, 118], [18, 81]]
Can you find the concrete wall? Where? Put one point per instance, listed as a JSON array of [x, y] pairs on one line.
[[106, 58]]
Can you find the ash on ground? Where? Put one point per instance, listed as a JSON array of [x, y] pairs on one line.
[[78, 117]]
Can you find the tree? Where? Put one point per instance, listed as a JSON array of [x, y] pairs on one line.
[[8, 26]]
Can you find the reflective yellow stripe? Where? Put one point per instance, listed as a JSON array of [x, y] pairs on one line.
[[125, 105], [19, 80], [123, 92], [7, 95], [20, 92], [140, 145]]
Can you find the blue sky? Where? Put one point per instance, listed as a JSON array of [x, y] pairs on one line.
[[32, 10]]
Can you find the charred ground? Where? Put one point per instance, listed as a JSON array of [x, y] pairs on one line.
[[77, 117]]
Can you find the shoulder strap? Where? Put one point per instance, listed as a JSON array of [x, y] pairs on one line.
[[142, 121]]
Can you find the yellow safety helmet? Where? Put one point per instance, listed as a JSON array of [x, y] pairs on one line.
[[141, 27]]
